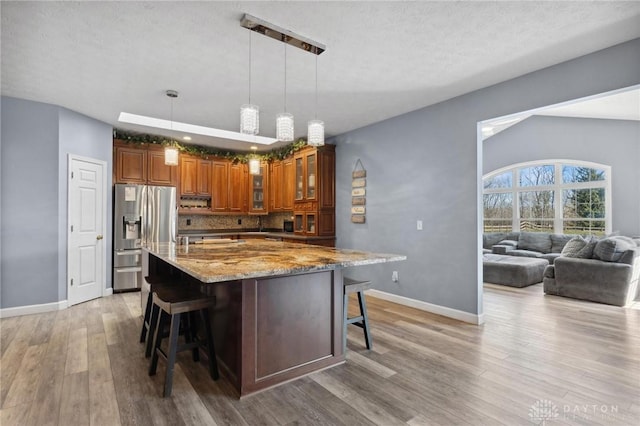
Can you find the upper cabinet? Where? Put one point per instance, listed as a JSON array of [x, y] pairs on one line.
[[142, 165], [314, 191], [229, 187], [303, 184], [195, 176]]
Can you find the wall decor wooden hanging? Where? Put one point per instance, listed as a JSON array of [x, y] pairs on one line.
[[358, 193]]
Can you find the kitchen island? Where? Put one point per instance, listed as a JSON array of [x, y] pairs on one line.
[[278, 312]]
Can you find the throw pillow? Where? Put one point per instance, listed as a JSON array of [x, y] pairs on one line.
[[573, 247], [535, 241], [611, 249], [587, 251]]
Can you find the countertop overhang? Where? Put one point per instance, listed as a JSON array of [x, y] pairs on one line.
[[237, 260]]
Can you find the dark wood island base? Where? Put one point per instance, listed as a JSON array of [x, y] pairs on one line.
[[271, 330], [278, 313]]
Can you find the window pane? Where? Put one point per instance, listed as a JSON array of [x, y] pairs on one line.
[[503, 180], [536, 205], [584, 203], [583, 227], [497, 225], [573, 174], [498, 206], [537, 175], [536, 225]]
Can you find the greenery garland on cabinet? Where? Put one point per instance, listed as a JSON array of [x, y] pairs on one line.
[[203, 151]]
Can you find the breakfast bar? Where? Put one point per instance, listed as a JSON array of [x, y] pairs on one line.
[[278, 311]]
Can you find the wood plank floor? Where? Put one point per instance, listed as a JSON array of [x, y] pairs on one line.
[[536, 358]]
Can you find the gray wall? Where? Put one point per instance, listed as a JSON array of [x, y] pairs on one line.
[[29, 203], [83, 136], [615, 143], [36, 139], [427, 165]]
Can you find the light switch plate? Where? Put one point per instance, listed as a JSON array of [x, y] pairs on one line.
[[419, 225]]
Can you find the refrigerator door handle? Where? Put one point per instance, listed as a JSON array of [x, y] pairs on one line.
[[128, 252], [131, 269]]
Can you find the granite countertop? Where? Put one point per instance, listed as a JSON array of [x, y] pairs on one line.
[[228, 261]]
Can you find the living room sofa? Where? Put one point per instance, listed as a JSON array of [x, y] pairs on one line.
[[610, 275], [542, 245]]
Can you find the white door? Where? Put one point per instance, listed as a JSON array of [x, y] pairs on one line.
[[86, 274]]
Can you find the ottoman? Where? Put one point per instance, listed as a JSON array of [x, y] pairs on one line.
[[514, 271]]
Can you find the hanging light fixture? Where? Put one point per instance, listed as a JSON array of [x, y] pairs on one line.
[[315, 127], [254, 163], [171, 151], [284, 121], [249, 113]]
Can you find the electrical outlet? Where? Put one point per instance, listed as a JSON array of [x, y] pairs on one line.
[[419, 225], [394, 276], [188, 222], [239, 221]]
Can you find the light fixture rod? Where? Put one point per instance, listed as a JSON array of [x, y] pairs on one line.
[[270, 30]]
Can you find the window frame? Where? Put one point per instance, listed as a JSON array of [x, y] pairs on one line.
[[558, 188]]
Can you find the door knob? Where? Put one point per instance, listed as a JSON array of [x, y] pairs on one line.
[[99, 237]]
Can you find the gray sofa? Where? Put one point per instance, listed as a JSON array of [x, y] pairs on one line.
[[610, 275], [541, 245]]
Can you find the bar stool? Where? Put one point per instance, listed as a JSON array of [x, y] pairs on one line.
[[146, 334], [172, 302], [362, 321]]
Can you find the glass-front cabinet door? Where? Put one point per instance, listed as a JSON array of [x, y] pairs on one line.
[[299, 178], [298, 223], [304, 223], [311, 176], [258, 191]]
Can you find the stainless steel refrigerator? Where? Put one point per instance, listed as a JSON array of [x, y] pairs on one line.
[[142, 214]]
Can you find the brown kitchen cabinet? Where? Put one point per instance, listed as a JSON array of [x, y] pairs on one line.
[[229, 187], [195, 176], [238, 188], [281, 185], [275, 187], [314, 191], [130, 165], [259, 191], [142, 165]]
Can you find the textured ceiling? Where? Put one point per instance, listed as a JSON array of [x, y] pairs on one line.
[[382, 59]]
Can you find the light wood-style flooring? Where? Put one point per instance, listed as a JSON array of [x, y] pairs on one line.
[[536, 358]]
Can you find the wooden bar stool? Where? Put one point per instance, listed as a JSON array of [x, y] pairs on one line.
[[362, 321], [146, 334], [172, 302]]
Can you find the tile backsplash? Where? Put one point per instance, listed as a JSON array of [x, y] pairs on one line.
[[215, 222]]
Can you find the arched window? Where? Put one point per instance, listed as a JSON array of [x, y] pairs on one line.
[[559, 196]]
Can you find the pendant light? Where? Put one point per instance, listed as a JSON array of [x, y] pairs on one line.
[[284, 121], [249, 113], [171, 151], [254, 162], [315, 127]]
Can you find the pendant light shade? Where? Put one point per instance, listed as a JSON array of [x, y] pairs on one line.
[[171, 156], [254, 163], [315, 133], [254, 166], [284, 127], [249, 119]]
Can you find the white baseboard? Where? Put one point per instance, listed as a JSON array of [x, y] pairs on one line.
[[428, 307], [108, 291], [33, 309]]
